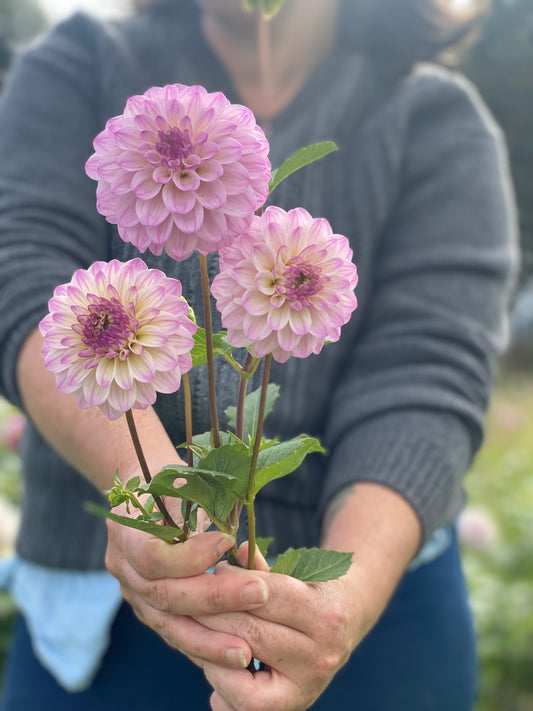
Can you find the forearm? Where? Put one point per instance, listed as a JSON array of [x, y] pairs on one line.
[[91, 443], [383, 532]]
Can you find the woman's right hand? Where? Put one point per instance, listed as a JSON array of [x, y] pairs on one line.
[[167, 586]]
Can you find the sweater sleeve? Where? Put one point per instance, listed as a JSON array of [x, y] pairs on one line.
[[49, 226], [408, 412]]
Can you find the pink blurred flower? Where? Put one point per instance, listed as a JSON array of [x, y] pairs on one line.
[[285, 285], [116, 335], [180, 169], [11, 431], [477, 529]]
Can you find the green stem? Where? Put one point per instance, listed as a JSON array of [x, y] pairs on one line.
[[144, 466], [188, 437], [209, 351], [250, 495], [241, 397]]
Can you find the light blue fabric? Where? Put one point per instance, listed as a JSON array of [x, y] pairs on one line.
[[69, 614]]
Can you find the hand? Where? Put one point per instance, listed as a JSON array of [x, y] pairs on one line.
[[303, 634], [167, 586]]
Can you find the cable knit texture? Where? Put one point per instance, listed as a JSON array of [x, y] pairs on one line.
[[420, 186]]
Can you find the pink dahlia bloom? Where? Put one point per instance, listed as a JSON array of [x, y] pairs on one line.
[[180, 170], [286, 286], [116, 335]]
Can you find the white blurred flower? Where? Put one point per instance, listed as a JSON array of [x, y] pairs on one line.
[[9, 524], [477, 529]]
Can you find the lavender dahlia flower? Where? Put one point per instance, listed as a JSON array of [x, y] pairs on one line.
[[180, 170], [116, 335], [286, 285]]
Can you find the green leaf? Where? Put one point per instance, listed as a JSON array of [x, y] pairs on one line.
[[302, 157], [283, 458], [270, 7], [312, 565], [198, 352], [210, 490], [251, 409], [132, 484], [166, 533], [263, 544]]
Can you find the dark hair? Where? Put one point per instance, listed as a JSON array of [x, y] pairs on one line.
[[394, 32], [402, 32]]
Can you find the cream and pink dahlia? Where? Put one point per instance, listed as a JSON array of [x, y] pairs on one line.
[[116, 335], [180, 170], [286, 285]]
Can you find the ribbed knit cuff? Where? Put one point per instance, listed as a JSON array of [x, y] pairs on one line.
[[420, 455]]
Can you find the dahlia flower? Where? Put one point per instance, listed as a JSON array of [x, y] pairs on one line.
[[286, 285], [180, 170], [116, 335]]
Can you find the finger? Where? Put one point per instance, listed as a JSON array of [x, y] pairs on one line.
[[278, 646], [242, 557], [242, 691], [290, 602], [153, 558], [193, 639], [204, 594], [217, 703]]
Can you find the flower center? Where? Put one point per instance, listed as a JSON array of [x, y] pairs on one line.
[[301, 281], [106, 328], [174, 146]]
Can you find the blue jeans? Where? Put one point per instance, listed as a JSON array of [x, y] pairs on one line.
[[419, 657]]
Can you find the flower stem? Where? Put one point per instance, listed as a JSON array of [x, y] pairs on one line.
[[188, 436], [144, 466], [243, 384], [250, 496], [209, 351]]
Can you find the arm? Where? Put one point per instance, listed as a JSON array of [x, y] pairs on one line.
[[407, 415]]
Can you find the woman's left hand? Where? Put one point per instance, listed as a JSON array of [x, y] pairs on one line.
[[303, 635]]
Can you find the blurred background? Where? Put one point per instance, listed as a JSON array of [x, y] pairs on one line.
[[496, 529]]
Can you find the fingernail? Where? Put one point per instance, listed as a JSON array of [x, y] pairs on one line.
[[235, 658], [255, 593], [225, 543]]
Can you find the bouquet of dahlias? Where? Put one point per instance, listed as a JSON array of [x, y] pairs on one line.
[[183, 170]]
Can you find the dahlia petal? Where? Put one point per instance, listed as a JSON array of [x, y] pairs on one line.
[[186, 180], [123, 375], [287, 338], [167, 382], [300, 321], [176, 200], [143, 185], [236, 178], [190, 221], [211, 195], [229, 151], [142, 369], [93, 393], [256, 303], [255, 328], [120, 399], [210, 170], [105, 371], [151, 212], [131, 160], [278, 318]]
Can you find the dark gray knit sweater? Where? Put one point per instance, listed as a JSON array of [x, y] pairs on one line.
[[421, 188]]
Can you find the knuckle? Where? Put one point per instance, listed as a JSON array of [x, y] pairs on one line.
[[158, 595], [335, 620], [328, 663]]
